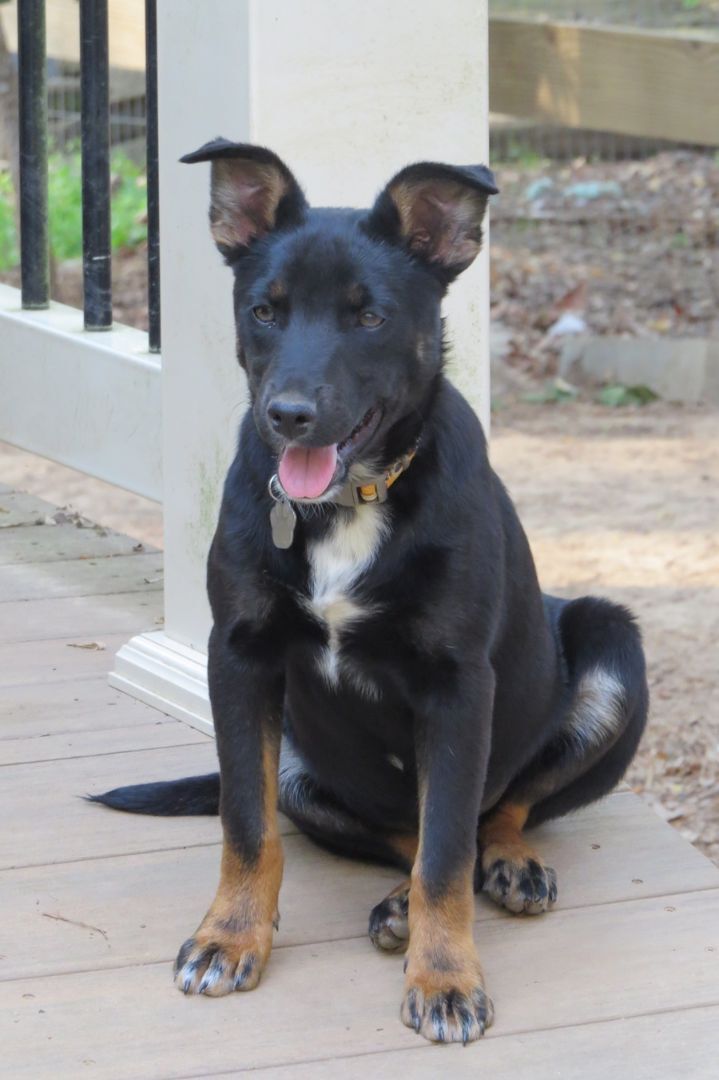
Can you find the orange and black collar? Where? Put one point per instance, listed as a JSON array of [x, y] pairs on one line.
[[354, 494]]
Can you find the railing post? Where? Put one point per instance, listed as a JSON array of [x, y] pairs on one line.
[[153, 193], [32, 94], [95, 90]]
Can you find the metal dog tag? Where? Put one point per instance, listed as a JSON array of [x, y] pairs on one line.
[[282, 517], [282, 522]]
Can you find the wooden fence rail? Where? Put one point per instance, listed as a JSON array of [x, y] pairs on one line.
[[657, 84]]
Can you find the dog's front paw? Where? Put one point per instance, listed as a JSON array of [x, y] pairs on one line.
[[216, 964], [519, 883], [453, 1010], [389, 921]]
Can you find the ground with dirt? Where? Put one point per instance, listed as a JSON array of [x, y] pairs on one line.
[[625, 503], [626, 247], [620, 502]]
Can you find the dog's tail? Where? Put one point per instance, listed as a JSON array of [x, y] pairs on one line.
[[602, 646], [606, 709], [167, 798]]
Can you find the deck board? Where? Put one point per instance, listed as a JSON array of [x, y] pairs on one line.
[[81, 577], [81, 617], [150, 735], [25, 663], [176, 886], [55, 707], [172, 889], [51, 821], [621, 979], [654, 1047], [576, 967], [53, 543], [17, 509]]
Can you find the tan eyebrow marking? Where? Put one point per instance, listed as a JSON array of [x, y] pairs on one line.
[[357, 295], [277, 290]]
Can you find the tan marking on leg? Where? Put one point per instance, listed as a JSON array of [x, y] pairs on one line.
[[445, 998], [444, 990], [405, 844], [502, 831], [513, 874], [232, 944]]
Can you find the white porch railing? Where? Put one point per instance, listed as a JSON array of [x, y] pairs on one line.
[[90, 401]]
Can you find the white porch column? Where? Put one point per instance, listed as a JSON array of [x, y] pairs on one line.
[[346, 94]]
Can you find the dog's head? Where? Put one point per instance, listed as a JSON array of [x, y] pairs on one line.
[[338, 311]]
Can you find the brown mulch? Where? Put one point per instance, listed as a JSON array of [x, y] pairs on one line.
[[640, 258], [129, 285]]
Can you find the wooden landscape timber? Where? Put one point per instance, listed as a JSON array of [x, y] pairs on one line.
[[126, 31], [655, 84]]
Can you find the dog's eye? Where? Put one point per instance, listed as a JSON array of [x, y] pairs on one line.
[[370, 320], [264, 313]]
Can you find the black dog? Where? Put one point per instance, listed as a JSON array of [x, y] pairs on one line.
[[382, 663]]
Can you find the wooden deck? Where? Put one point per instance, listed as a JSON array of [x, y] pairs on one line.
[[622, 979]]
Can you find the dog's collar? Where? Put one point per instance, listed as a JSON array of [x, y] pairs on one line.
[[354, 494], [283, 517]]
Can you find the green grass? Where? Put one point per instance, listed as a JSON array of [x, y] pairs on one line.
[[128, 204]]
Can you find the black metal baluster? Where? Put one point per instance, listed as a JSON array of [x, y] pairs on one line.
[[32, 86], [95, 88], [153, 194]]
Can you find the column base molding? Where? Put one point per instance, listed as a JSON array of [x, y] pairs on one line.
[[167, 675]]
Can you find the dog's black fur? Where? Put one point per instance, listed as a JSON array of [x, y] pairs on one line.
[[460, 689]]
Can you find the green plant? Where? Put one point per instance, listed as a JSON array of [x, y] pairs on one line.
[[680, 240], [521, 155], [129, 203], [8, 245], [128, 208], [65, 206], [616, 395], [554, 392]]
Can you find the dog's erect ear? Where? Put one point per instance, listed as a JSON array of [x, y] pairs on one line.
[[436, 212], [252, 192]]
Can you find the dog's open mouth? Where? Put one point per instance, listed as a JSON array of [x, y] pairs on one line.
[[307, 472]]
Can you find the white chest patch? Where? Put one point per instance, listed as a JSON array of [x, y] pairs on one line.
[[337, 563]]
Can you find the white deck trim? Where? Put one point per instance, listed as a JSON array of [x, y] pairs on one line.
[[88, 400], [167, 675]]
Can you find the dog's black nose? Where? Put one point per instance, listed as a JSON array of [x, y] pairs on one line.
[[291, 417]]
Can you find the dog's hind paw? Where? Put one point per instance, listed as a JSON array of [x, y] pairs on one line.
[[389, 921], [522, 884]]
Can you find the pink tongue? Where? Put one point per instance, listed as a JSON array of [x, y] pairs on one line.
[[306, 471]]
